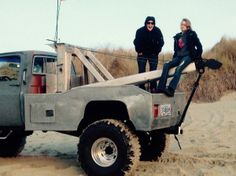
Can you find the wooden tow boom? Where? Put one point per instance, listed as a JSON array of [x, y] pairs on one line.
[[94, 68]]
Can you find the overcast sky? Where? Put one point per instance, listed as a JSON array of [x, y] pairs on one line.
[[26, 24]]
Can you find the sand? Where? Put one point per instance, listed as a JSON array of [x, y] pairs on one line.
[[208, 148]]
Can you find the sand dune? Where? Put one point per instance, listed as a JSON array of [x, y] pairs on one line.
[[208, 142]]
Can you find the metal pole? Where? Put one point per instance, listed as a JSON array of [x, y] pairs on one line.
[[195, 86], [57, 21]]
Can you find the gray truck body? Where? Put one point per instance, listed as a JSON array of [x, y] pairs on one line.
[[64, 111], [68, 109]]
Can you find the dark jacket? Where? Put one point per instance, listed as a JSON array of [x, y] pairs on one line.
[[148, 42], [193, 43]]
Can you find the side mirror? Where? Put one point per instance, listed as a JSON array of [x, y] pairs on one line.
[[24, 77]]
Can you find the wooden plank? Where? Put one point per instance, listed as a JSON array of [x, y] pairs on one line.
[[62, 69], [51, 83], [85, 76], [139, 78], [60, 75], [68, 70], [99, 65], [88, 78], [91, 78], [88, 65]]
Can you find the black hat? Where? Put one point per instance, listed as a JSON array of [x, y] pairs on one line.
[[150, 18]]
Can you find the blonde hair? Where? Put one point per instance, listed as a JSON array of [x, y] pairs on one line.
[[188, 22]]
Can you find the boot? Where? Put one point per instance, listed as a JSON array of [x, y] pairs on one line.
[[170, 92]]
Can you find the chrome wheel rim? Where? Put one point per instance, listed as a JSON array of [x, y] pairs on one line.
[[104, 152]]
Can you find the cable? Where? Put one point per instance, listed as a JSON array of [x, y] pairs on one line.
[[134, 58]]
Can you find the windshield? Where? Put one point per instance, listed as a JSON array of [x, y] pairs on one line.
[[9, 68]]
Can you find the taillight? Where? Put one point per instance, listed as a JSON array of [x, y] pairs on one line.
[[155, 111]]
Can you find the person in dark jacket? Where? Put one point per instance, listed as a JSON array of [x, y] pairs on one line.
[[148, 44], [187, 49]]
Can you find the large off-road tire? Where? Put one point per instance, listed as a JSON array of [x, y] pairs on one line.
[[108, 148], [153, 145], [12, 146]]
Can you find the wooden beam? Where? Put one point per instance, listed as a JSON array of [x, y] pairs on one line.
[[99, 65], [85, 76], [88, 65], [139, 78], [63, 69]]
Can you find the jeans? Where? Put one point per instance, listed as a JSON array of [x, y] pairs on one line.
[[180, 63], [142, 62]]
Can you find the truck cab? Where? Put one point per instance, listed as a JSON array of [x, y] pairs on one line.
[[21, 73]]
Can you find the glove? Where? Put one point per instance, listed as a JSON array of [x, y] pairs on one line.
[[200, 65]]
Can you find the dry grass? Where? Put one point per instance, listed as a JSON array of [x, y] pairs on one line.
[[121, 62], [213, 84], [11, 72]]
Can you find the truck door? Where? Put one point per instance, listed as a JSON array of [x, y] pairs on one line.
[[10, 91]]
